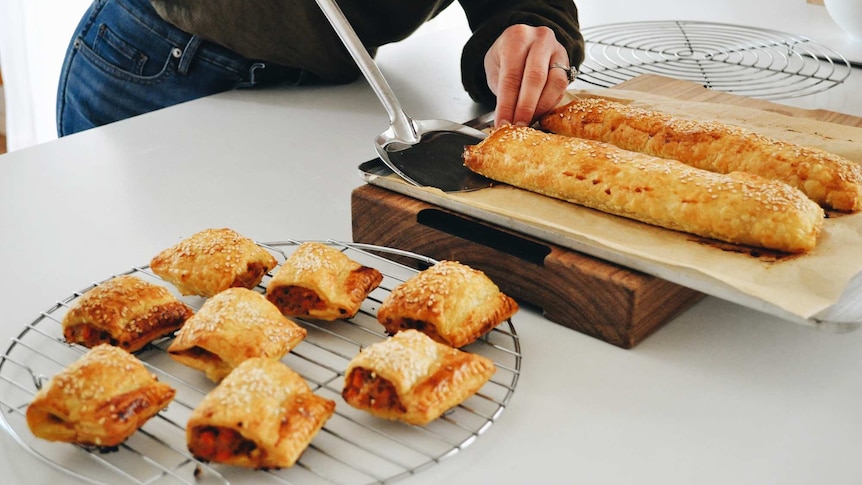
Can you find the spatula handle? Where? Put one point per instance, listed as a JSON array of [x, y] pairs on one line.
[[401, 124]]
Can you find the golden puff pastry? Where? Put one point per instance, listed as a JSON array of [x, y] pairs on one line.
[[262, 415], [213, 260], [450, 302], [413, 379], [99, 400], [828, 179], [125, 311], [739, 208], [233, 326], [319, 281]]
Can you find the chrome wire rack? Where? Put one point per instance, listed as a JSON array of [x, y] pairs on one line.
[[352, 448], [748, 61]]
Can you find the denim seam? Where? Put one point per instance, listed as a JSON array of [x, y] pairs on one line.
[[73, 52], [168, 70], [113, 70]]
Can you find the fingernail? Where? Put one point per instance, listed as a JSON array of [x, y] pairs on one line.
[[504, 123], [521, 123]]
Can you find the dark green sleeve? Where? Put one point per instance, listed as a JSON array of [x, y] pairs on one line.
[[489, 18]]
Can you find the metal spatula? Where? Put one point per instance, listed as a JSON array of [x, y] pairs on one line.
[[423, 152]]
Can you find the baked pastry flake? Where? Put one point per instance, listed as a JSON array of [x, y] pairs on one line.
[[319, 281], [828, 179], [125, 311], [451, 302], [233, 326], [413, 379], [738, 207], [99, 400], [211, 261], [262, 415]]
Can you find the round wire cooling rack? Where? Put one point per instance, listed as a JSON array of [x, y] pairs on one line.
[[748, 61], [352, 448]]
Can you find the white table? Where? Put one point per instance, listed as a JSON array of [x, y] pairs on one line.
[[721, 394]]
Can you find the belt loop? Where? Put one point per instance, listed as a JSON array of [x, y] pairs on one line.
[[188, 54], [250, 80]]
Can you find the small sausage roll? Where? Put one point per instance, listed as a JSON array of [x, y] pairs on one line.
[[321, 282], [262, 415], [413, 379], [211, 261], [450, 302], [233, 326], [125, 311], [99, 400]]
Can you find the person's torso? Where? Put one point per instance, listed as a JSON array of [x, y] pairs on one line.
[[296, 32]]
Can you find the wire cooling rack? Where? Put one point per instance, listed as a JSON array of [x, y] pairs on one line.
[[748, 61], [352, 448]]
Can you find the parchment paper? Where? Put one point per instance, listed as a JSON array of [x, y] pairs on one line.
[[800, 286]]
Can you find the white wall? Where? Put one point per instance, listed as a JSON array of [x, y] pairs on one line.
[[34, 35]]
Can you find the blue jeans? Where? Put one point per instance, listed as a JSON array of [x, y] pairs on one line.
[[124, 60]]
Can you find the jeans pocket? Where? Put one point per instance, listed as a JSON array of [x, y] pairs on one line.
[[120, 58], [114, 50]]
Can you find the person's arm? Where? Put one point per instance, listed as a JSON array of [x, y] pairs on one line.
[[506, 63]]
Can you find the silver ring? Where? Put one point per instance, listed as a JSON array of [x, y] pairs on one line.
[[570, 71]]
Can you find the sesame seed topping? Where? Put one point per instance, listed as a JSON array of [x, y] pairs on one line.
[[647, 188], [258, 385], [242, 315], [827, 178], [404, 359], [210, 258], [103, 367]]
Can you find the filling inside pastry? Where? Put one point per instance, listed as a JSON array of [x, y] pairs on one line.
[[208, 361], [137, 333], [368, 390], [296, 300], [57, 420], [252, 276], [90, 336], [55, 424], [127, 407], [219, 445], [422, 326], [146, 330]]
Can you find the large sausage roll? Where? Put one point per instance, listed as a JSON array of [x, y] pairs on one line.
[[233, 326], [125, 311], [828, 179], [99, 400], [213, 260], [262, 415], [737, 207], [413, 379], [319, 281], [450, 302]]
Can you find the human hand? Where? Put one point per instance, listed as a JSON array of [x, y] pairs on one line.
[[519, 74]]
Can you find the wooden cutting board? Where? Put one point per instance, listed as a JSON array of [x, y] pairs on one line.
[[606, 301], [601, 299]]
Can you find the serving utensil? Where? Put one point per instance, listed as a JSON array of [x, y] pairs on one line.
[[422, 152]]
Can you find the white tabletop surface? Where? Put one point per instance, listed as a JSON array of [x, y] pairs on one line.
[[721, 394]]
